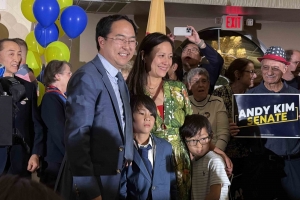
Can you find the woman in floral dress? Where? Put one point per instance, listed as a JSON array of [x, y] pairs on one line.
[[154, 59]]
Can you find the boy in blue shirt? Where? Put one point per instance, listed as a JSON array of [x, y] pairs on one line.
[[151, 174]]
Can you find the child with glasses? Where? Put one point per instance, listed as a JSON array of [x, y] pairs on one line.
[[151, 174], [209, 179]]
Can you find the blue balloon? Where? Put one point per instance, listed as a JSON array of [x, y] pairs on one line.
[[73, 20], [45, 36], [46, 11]]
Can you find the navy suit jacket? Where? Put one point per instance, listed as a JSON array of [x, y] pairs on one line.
[[136, 182], [52, 111], [94, 138], [29, 124], [215, 65]]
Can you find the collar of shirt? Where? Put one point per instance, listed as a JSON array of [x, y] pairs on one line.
[[149, 142], [111, 70], [284, 88]]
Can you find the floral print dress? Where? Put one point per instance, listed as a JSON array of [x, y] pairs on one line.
[[176, 107]]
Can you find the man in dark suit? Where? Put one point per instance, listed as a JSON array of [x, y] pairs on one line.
[[192, 54], [23, 156], [98, 133]]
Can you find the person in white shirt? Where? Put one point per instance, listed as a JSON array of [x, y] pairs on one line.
[[209, 179]]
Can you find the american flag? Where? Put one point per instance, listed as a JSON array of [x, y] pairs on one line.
[[23, 72]]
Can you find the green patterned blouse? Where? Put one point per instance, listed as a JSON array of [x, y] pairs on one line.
[[176, 107]]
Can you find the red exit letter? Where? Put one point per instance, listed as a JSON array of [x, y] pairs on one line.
[[232, 22]]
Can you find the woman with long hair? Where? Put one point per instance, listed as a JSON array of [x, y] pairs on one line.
[[154, 59]]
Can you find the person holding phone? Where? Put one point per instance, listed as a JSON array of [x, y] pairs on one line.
[[193, 50]]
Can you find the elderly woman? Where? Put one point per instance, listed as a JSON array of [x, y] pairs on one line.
[[56, 77], [210, 106], [153, 60]]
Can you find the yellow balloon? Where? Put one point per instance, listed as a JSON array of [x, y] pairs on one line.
[[33, 45], [34, 61], [27, 10], [41, 92], [53, 53], [57, 51], [64, 3]]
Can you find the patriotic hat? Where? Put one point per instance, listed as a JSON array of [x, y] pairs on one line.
[[275, 53]]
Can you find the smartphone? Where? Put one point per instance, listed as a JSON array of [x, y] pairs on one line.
[[182, 31]]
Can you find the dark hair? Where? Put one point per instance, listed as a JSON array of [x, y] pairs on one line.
[[13, 187], [21, 42], [193, 124], [103, 27], [177, 59], [54, 67], [288, 54], [138, 100], [238, 64], [137, 77], [5, 40], [189, 42]]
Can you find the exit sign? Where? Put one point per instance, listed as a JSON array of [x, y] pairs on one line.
[[232, 22]]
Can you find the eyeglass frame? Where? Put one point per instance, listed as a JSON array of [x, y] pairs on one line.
[[70, 73], [186, 50], [252, 72], [201, 139], [123, 40]]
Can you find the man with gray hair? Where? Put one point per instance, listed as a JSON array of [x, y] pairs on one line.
[[291, 76], [274, 161]]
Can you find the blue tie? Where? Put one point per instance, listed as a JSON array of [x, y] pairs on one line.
[[143, 151], [128, 133]]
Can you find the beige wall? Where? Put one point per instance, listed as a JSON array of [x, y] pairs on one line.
[[285, 34], [12, 18]]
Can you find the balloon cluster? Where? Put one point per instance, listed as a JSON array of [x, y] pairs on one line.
[[54, 19]]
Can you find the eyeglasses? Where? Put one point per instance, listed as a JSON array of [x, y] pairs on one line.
[[198, 81], [267, 68], [202, 141], [250, 71], [192, 50], [120, 41], [70, 73]]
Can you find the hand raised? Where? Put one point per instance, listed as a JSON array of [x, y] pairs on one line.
[[194, 37]]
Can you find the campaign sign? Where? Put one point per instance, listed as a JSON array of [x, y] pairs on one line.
[[267, 115]]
